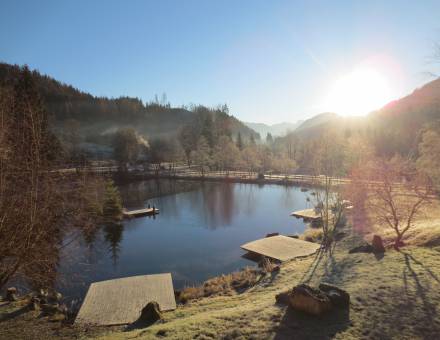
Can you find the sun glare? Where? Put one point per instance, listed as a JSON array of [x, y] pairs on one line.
[[359, 93]]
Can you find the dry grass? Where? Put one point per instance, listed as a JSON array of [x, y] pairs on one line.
[[424, 232], [18, 322], [394, 297], [221, 285], [402, 288], [312, 235]]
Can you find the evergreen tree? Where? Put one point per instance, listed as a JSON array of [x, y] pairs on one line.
[[239, 142], [112, 208]]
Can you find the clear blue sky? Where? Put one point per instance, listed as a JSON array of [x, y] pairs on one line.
[[270, 61]]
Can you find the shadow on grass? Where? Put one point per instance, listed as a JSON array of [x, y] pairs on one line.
[[296, 325], [309, 274], [139, 324], [427, 311]]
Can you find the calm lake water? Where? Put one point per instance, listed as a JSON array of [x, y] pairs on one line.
[[197, 234]]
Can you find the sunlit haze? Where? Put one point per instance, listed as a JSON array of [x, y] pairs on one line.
[[359, 93]]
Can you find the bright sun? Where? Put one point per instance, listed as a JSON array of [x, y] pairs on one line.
[[359, 93]]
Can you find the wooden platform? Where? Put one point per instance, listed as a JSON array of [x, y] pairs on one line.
[[281, 248], [140, 212], [307, 214], [120, 301]]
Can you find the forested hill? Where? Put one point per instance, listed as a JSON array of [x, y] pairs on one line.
[[395, 128], [100, 115]]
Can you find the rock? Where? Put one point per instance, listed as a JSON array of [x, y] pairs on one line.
[[151, 313], [11, 294], [294, 236], [57, 317], [54, 297], [309, 300], [337, 296], [283, 297], [34, 304], [49, 309], [43, 296], [364, 248], [377, 244]]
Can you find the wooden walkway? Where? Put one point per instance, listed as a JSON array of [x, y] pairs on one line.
[[140, 212], [281, 248], [120, 301]]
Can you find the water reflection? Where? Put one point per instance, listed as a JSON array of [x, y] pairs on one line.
[[197, 234], [113, 237]]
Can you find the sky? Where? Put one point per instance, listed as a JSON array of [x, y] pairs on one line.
[[270, 61]]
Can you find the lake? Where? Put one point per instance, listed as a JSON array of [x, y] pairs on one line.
[[197, 234]]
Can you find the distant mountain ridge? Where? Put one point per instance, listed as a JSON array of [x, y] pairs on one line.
[[276, 130]]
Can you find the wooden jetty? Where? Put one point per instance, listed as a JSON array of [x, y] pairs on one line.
[[120, 301], [281, 248], [307, 214], [140, 212]]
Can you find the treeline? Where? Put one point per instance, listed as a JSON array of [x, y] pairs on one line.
[[96, 117]]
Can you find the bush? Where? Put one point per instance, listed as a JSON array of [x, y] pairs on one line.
[[312, 235]]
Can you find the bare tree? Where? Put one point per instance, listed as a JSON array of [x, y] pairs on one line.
[[396, 194], [37, 204], [327, 164]]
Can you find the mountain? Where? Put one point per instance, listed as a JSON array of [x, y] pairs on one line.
[[395, 128], [100, 115], [280, 129], [317, 121]]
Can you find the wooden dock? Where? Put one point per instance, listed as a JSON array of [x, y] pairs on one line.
[[307, 214], [140, 212], [281, 248], [120, 301]]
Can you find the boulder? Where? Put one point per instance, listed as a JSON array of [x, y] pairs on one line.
[[57, 317], [11, 294], [337, 296], [309, 300], [50, 309], [35, 304], [43, 295], [54, 297], [151, 313], [378, 244]]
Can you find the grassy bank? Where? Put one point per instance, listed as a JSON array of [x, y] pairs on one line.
[[396, 296]]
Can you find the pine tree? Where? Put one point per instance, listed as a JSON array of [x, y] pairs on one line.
[[239, 142], [112, 208]]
